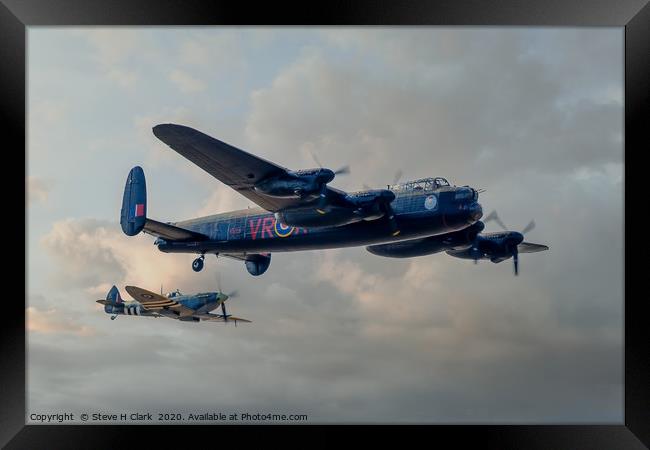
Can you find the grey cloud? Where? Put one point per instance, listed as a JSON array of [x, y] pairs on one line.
[[494, 100], [82, 257]]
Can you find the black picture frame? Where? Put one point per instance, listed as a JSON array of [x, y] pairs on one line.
[[16, 15]]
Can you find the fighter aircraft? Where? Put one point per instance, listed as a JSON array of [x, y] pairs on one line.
[[467, 244], [174, 305], [298, 210]]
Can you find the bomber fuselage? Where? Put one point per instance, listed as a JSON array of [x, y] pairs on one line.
[[419, 213]]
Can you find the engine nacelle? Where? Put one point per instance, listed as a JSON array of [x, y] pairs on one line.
[[408, 249], [257, 264], [287, 187], [367, 205], [295, 183]]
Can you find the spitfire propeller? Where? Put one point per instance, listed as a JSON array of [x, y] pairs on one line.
[[515, 239], [232, 294]]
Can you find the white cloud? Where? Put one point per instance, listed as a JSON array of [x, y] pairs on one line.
[[113, 46], [53, 322], [92, 254], [158, 153], [186, 82], [124, 78], [38, 190], [113, 50], [47, 112], [221, 49]]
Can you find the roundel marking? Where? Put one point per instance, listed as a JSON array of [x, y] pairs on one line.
[[282, 230], [431, 202]]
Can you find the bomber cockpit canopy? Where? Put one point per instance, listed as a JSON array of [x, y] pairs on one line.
[[423, 184], [176, 293]]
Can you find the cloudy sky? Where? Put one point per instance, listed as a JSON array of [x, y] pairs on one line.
[[535, 116]]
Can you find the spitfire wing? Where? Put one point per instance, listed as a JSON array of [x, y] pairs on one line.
[[156, 302], [234, 167], [528, 247]]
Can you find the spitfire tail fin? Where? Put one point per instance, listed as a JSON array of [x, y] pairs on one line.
[[134, 203], [114, 297]]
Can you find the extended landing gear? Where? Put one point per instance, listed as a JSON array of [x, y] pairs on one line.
[[197, 264]]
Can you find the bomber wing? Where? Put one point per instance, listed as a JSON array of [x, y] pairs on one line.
[[529, 247], [156, 302], [234, 167]]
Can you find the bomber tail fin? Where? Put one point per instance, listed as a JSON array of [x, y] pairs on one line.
[[134, 203], [133, 216]]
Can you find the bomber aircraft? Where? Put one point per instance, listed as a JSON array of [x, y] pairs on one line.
[[298, 210], [187, 308]]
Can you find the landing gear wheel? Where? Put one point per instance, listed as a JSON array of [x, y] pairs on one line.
[[197, 264]]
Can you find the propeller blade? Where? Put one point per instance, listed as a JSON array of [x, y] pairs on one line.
[[515, 260], [392, 221], [494, 216], [529, 227], [313, 156], [218, 275], [397, 176], [475, 250], [343, 170], [223, 310], [322, 200]]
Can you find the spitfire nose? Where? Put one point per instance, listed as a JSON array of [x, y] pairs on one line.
[[475, 212]]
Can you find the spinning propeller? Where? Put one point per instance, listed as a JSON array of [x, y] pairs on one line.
[[385, 206], [397, 176], [322, 201], [231, 294], [517, 238], [384, 200]]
